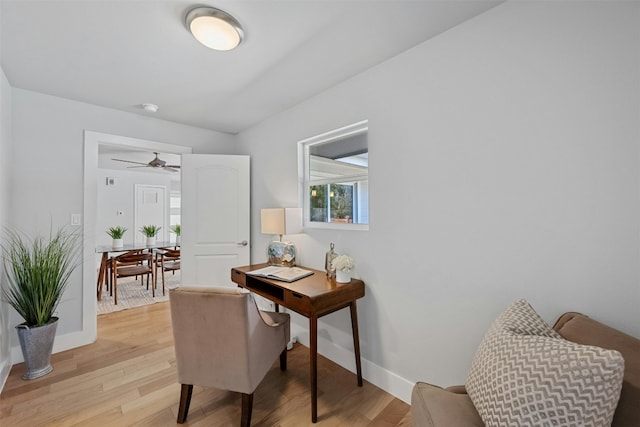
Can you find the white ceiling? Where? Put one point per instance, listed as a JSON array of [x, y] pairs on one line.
[[120, 54]]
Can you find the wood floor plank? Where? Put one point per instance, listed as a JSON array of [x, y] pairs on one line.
[[392, 415], [128, 378]]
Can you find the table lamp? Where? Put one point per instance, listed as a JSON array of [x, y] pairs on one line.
[[281, 221]]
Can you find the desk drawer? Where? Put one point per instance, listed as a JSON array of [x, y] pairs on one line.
[[297, 302], [238, 277]]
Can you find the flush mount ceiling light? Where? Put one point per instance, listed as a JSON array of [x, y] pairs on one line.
[[214, 28]]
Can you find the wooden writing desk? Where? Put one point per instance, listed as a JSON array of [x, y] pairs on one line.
[[313, 297]]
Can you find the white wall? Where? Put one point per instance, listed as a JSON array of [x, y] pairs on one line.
[[121, 197], [503, 165], [6, 328], [48, 137]]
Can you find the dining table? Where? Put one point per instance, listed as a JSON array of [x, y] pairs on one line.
[[106, 250]]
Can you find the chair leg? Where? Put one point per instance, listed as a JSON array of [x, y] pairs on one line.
[[153, 284], [185, 400], [247, 407], [114, 287], [283, 360], [110, 282]]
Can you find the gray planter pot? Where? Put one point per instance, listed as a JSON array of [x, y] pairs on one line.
[[37, 345]]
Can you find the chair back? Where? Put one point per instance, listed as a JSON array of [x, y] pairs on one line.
[[169, 253], [132, 264], [221, 339], [133, 258], [169, 259]]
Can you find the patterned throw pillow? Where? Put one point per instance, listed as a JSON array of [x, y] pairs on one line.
[[525, 374]]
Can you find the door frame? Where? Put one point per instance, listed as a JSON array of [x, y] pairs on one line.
[[92, 140]]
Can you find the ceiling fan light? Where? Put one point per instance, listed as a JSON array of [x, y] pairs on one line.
[[214, 28]]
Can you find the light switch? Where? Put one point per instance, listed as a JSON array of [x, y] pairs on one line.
[[75, 219]]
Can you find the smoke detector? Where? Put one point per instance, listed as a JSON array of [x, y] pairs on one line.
[[152, 108]]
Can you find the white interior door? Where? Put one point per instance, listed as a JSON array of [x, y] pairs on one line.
[[215, 217], [150, 209]]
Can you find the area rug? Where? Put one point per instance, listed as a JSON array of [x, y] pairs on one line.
[[132, 294]]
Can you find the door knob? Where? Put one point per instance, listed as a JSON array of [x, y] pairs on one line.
[[243, 243]]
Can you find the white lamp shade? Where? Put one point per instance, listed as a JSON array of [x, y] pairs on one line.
[[281, 221]]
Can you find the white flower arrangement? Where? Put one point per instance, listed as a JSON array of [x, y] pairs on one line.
[[343, 262]]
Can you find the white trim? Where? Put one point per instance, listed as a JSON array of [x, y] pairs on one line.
[[348, 130], [304, 166], [5, 369], [336, 225], [376, 375], [61, 343]]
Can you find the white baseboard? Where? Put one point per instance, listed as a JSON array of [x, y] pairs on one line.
[[61, 343], [5, 368], [376, 375]]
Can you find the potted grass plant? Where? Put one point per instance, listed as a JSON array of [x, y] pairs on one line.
[[37, 271], [116, 234], [150, 232]]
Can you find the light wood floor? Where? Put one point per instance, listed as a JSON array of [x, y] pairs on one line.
[[128, 378]]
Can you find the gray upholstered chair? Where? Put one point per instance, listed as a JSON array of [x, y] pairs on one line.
[[223, 341]]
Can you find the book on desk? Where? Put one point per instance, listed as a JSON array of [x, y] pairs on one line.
[[284, 274]]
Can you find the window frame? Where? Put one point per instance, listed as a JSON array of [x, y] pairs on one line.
[[304, 165], [173, 211]]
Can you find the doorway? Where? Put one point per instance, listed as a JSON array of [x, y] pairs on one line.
[[92, 142]]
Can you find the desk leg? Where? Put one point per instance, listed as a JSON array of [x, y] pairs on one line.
[[313, 352], [356, 340], [101, 273]]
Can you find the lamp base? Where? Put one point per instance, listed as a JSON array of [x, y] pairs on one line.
[[281, 253]]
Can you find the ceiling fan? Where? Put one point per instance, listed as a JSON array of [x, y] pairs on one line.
[[156, 163]]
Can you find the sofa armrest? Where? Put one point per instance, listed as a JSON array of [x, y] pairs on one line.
[[457, 389], [433, 406], [582, 329]]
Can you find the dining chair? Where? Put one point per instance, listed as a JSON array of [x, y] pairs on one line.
[[108, 277], [133, 263], [167, 259], [222, 340]]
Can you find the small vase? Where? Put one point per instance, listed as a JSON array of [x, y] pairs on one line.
[[343, 276], [117, 243], [177, 240], [151, 241]]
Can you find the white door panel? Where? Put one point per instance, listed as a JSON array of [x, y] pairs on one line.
[[215, 217], [150, 209], [208, 266]]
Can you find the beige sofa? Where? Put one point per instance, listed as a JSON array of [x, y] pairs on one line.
[[451, 407]]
